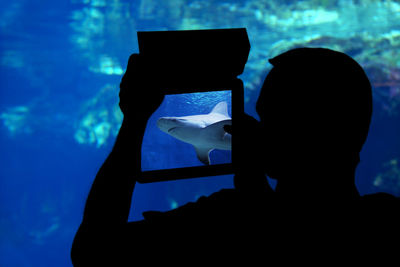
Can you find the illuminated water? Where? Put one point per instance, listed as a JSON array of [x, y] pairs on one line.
[[60, 67]]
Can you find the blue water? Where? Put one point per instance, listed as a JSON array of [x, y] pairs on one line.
[[60, 67]]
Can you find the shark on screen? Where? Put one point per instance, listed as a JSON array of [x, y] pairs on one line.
[[205, 132]]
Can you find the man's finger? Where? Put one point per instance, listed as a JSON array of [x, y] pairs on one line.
[[228, 128]]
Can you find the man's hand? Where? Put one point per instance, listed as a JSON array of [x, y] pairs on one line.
[[249, 170], [140, 90], [247, 131]]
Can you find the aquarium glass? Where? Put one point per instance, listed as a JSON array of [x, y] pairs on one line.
[[61, 63]]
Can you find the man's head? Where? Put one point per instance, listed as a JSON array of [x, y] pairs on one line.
[[315, 108]]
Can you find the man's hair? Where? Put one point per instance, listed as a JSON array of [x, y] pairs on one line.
[[326, 90]]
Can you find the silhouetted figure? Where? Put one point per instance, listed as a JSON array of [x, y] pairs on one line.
[[315, 108]]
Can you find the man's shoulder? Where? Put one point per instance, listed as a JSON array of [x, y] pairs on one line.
[[227, 206], [205, 204], [209, 217], [380, 207], [379, 199]]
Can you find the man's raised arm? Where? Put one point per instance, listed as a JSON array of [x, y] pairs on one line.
[[108, 203]]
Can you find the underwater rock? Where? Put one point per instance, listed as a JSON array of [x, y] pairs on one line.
[[389, 179], [101, 31], [152, 10], [100, 118], [297, 18], [15, 119], [40, 236], [12, 58], [107, 65]]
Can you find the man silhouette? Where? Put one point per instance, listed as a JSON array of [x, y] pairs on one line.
[[315, 108]]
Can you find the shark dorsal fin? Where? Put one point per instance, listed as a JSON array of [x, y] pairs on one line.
[[221, 108]]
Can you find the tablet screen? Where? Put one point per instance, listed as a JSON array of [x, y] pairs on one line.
[[187, 130]]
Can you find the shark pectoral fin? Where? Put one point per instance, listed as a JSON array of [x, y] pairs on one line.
[[217, 129], [203, 154]]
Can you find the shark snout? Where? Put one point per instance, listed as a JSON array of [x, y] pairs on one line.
[[167, 123], [162, 124]]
